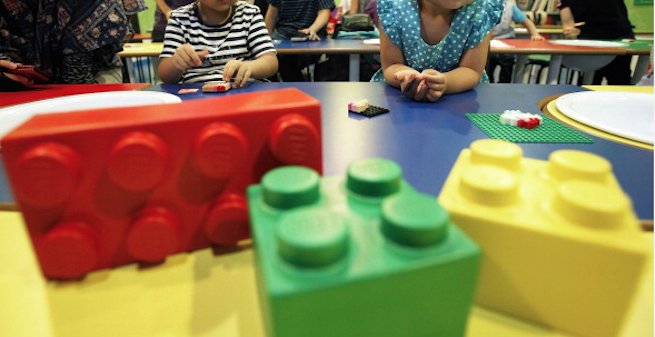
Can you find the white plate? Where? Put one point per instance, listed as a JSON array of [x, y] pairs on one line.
[[625, 114], [589, 43], [15, 115]]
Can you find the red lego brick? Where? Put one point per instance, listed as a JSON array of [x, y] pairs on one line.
[[103, 188], [216, 86]]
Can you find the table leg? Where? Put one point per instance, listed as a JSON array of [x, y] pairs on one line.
[[353, 74], [553, 69], [519, 69], [640, 68]]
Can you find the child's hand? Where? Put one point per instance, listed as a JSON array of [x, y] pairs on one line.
[[537, 37], [571, 32], [239, 71], [435, 83], [185, 57], [408, 81], [310, 34], [15, 77]]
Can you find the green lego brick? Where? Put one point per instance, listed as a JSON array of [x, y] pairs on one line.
[[361, 255], [549, 131]]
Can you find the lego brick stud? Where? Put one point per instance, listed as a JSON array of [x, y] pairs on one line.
[[69, 250], [47, 174], [293, 139], [220, 150], [312, 238], [572, 164], [137, 161], [290, 186], [591, 204], [153, 235], [414, 220], [227, 221], [496, 152], [488, 184], [374, 177]]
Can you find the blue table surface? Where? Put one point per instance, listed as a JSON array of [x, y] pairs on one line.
[[330, 46], [426, 138]]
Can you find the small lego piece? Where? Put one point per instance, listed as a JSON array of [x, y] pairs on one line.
[[358, 106], [187, 91], [362, 107], [216, 86], [520, 119]]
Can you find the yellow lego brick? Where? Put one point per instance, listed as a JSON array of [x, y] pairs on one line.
[[561, 244]]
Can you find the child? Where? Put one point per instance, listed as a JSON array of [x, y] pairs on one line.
[[212, 40], [432, 47], [503, 30], [297, 18]]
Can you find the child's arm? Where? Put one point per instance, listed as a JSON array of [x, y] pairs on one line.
[[271, 18], [164, 8], [354, 7], [320, 22], [396, 72], [171, 68], [240, 71], [570, 29], [471, 65], [532, 29]]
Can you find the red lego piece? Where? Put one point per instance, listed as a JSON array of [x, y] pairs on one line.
[[216, 86], [103, 188]]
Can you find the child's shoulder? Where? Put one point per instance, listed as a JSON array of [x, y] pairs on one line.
[[184, 11], [246, 8]]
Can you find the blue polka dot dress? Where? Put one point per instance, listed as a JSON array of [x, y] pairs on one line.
[[470, 25]]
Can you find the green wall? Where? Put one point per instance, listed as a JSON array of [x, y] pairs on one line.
[[641, 16], [147, 17]]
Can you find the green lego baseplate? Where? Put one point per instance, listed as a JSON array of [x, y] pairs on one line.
[[361, 255], [549, 131]]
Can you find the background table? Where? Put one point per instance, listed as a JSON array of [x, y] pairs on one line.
[[589, 55], [353, 48], [520, 47]]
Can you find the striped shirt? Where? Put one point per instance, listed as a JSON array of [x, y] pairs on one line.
[[243, 37], [298, 14]]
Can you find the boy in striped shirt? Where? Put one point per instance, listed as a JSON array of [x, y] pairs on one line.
[[217, 40]]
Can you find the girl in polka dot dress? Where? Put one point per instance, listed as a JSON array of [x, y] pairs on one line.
[[433, 47]]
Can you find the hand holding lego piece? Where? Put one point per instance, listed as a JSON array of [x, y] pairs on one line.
[[186, 57], [520, 119], [238, 71]]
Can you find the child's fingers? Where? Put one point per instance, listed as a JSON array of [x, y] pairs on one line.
[[406, 85], [242, 77], [20, 79], [433, 95], [433, 76], [228, 71], [421, 90], [201, 54]]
